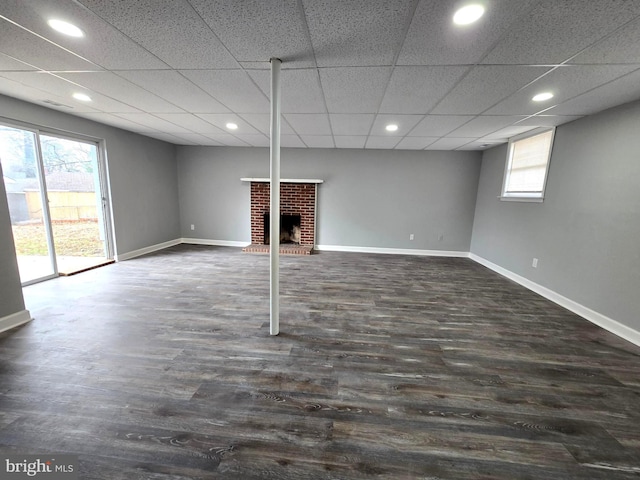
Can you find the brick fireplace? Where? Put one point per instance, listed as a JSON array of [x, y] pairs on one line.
[[297, 202]]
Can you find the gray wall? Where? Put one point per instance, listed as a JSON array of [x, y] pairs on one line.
[[370, 198], [142, 174], [143, 184], [587, 231], [11, 300]]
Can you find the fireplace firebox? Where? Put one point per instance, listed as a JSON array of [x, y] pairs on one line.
[[289, 229]]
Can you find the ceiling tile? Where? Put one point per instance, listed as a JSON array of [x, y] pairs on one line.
[[620, 47], [227, 140], [479, 145], [484, 86], [357, 32], [419, 89], [623, 90], [160, 26], [354, 90], [309, 124], [262, 123], [175, 88], [111, 85], [318, 141], [449, 143], [34, 95], [506, 133], [154, 122], [255, 140], [194, 138], [380, 142], [350, 141], [115, 121], [405, 124], [300, 90], [190, 122], [415, 143], [565, 82], [433, 39], [554, 31], [484, 125], [10, 64], [268, 29], [167, 137], [351, 123], [232, 88], [27, 47], [220, 121], [438, 125], [547, 120], [103, 44], [291, 141]]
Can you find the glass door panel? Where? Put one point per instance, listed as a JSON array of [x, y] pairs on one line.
[[21, 174]]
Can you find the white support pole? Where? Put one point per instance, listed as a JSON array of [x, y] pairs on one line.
[[274, 226]]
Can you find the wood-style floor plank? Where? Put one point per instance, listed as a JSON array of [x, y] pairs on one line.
[[388, 367]]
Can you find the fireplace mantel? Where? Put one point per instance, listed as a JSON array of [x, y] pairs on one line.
[[283, 180]]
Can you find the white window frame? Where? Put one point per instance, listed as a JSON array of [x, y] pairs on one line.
[[526, 196]]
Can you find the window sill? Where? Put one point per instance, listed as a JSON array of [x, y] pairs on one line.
[[522, 199]]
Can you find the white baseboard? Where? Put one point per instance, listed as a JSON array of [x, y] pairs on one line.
[[145, 250], [392, 251], [14, 320], [603, 321], [215, 243]]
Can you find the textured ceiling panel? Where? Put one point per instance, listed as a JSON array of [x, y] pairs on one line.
[[433, 39], [405, 124], [300, 90], [255, 140], [357, 32], [622, 90], [547, 120], [620, 47], [190, 122], [506, 133], [291, 141], [65, 88], [565, 82], [481, 126], [37, 96], [415, 143], [379, 142], [193, 138], [449, 143], [175, 88], [228, 140], [318, 141], [220, 121], [479, 89], [115, 121], [354, 90], [309, 124], [153, 122], [556, 30], [262, 123], [351, 141], [112, 85], [271, 29], [170, 29], [439, 125], [167, 137], [10, 64], [351, 123], [23, 45], [232, 88], [419, 89], [106, 47]]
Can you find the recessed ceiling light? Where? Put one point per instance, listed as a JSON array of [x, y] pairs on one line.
[[82, 97], [391, 127], [65, 27], [468, 14], [232, 126], [541, 97]]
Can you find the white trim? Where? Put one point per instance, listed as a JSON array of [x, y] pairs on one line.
[[150, 249], [216, 243], [14, 320], [283, 180], [522, 199], [392, 251], [602, 321]]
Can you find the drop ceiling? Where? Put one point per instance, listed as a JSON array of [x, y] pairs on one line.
[[180, 70]]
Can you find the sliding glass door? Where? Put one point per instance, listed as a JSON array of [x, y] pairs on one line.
[[58, 211]]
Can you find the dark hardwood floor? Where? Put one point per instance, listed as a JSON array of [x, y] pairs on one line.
[[389, 367]]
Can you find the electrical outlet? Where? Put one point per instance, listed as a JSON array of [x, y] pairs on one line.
[[534, 264], [193, 227], [411, 236]]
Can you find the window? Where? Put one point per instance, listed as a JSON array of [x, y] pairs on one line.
[[527, 165]]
